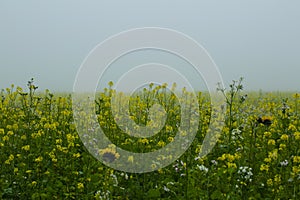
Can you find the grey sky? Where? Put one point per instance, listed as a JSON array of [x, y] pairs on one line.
[[259, 40]]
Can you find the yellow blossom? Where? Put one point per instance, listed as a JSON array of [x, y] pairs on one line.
[[10, 133], [274, 154], [282, 146], [11, 157], [5, 138], [292, 127], [267, 134], [296, 159], [58, 141], [284, 137], [222, 158], [143, 141], [231, 165], [297, 135], [161, 143], [230, 157], [15, 127], [296, 169], [277, 178], [296, 96], [264, 167], [26, 147], [7, 162], [267, 160], [271, 142], [171, 139], [76, 155], [270, 182], [39, 159], [80, 186]]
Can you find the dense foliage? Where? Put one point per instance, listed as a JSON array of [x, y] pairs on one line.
[[256, 157]]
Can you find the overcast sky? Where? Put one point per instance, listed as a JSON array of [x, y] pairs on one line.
[[259, 40]]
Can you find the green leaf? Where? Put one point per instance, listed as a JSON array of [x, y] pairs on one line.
[[153, 193]]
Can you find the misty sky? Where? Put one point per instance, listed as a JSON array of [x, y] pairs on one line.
[[259, 40]]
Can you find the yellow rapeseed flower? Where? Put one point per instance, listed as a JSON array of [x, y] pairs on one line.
[[270, 182], [230, 157], [7, 162], [58, 141], [284, 137], [26, 147], [11, 157], [267, 160], [231, 165], [277, 178], [10, 133], [296, 170], [39, 159], [292, 127], [296, 159], [5, 138], [171, 139], [297, 135], [274, 154], [264, 167], [296, 96], [76, 155], [271, 142], [282, 146], [222, 158], [161, 143], [80, 186], [15, 127], [143, 141], [267, 134]]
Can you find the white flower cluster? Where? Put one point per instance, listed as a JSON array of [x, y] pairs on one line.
[[102, 195], [214, 162], [203, 168], [236, 134], [179, 166], [245, 173], [284, 163]]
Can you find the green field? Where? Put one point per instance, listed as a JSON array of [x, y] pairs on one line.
[[256, 157]]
